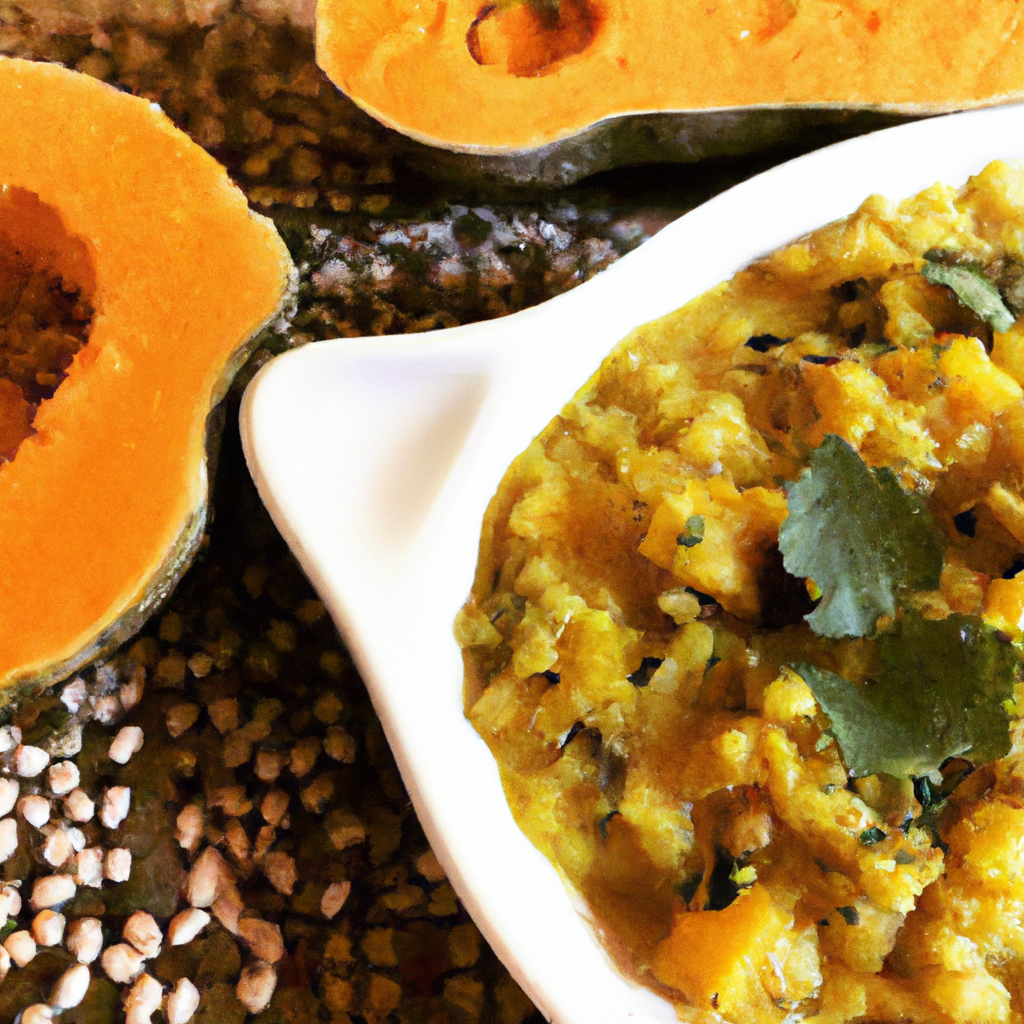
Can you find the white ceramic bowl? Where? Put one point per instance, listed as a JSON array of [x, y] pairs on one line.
[[377, 458]]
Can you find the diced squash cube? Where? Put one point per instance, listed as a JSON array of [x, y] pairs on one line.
[[990, 845], [975, 998], [1004, 606], [738, 529], [976, 388], [719, 959]]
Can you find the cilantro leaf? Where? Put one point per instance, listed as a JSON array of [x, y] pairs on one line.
[[973, 289], [693, 532], [940, 693], [859, 536]]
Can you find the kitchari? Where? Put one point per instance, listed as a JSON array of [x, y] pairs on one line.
[[746, 631]]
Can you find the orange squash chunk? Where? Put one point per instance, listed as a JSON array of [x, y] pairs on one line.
[[104, 501], [486, 77]]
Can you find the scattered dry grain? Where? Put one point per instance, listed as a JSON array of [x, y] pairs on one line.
[[71, 987], [37, 1013], [78, 806], [89, 867], [334, 898], [85, 939], [182, 1003], [142, 931], [318, 795], [304, 755], [10, 900], [189, 831], [117, 865], [122, 963], [224, 714], [184, 927], [115, 805], [74, 693], [35, 810], [206, 879], [274, 805], [126, 744], [143, 1000], [21, 947], [57, 848], [48, 928], [256, 986], [269, 764], [52, 890], [8, 838], [339, 745], [9, 789], [64, 777], [280, 871], [328, 708], [263, 938]]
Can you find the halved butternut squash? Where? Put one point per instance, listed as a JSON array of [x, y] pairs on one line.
[[104, 501], [513, 76]]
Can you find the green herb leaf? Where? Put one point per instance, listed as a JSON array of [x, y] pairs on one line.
[[941, 693], [693, 532], [973, 289], [860, 537], [872, 836]]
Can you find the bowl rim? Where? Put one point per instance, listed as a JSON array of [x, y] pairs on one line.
[[377, 458]]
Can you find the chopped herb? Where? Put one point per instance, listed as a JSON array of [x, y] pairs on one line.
[[849, 914], [904, 857], [966, 522], [923, 792], [941, 693], [642, 676], [860, 537], [574, 730], [763, 342], [693, 532], [554, 678], [872, 837], [602, 825], [721, 889], [822, 360], [973, 289]]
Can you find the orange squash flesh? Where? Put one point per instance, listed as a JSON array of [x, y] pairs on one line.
[[102, 507], [414, 63]]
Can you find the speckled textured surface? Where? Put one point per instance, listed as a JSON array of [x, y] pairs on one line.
[[243, 666]]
